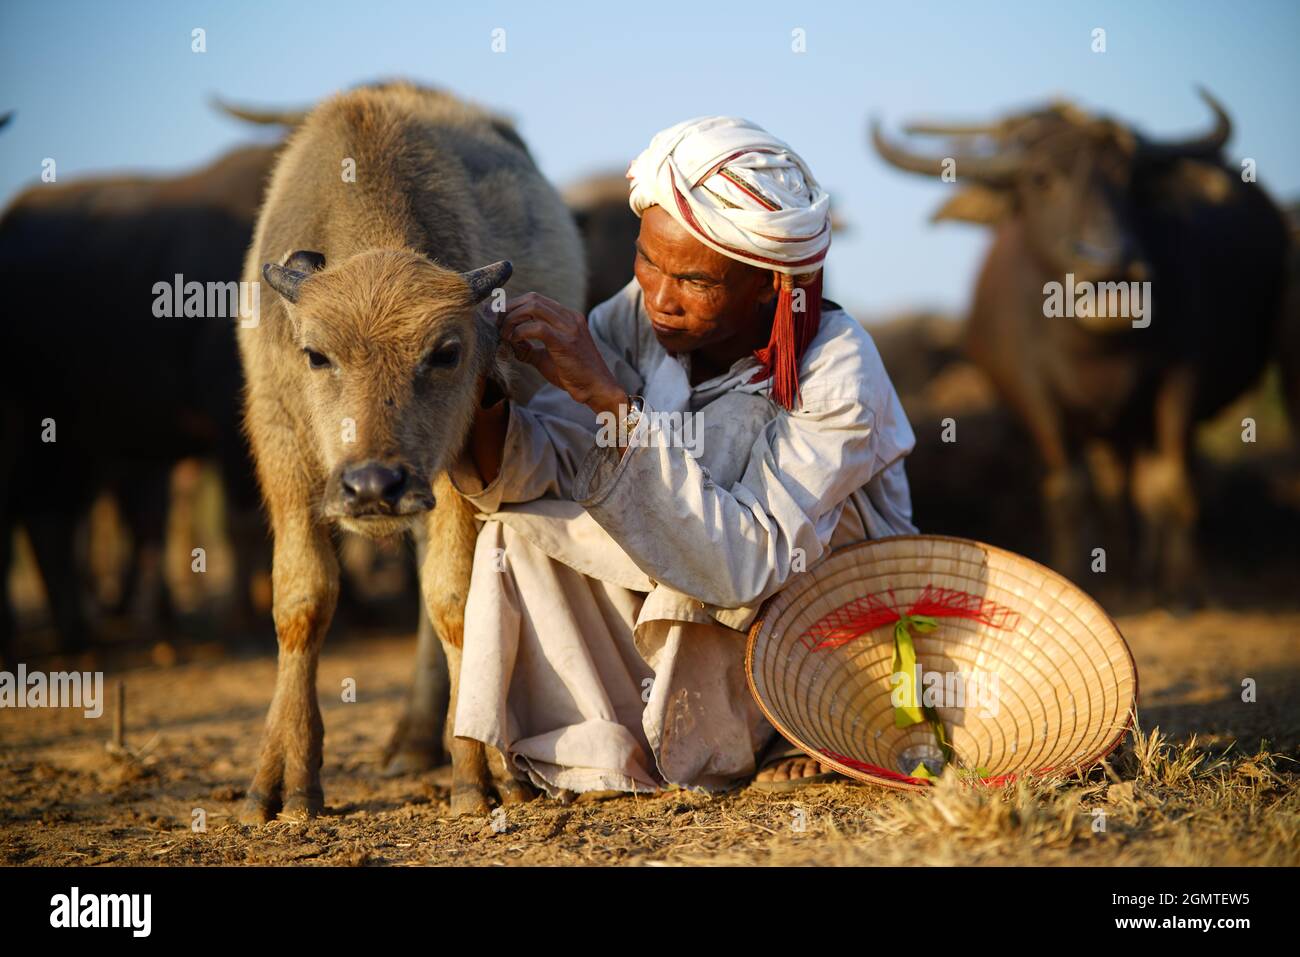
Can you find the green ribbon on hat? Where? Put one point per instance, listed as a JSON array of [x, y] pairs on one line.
[[912, 711]]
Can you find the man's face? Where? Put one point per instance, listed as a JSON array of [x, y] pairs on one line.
[[696, 297]]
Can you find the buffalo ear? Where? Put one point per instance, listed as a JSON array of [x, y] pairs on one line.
[[976, 204], [494, 351], [305, 260]]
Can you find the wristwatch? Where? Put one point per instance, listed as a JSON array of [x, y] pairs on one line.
[[635, 409]]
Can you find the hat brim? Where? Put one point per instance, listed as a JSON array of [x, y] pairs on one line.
[[1065, 680]]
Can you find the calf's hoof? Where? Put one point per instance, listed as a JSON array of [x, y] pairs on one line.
[[258, 809], [515, 792], [467, 801], [302, 806], [411, 755], [412, 748], [262, 808], [410, 762]]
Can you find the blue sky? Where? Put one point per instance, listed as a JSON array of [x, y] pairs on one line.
[[109, 86]]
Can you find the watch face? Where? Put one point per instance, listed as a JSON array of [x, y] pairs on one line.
[[633, 419]]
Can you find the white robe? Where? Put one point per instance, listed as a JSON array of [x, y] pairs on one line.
[[611, 591]]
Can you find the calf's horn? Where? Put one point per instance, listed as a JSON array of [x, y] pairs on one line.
[[483, 280], [287, 282]]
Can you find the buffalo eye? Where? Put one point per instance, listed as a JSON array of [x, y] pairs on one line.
[[317, 360], [443, 357]]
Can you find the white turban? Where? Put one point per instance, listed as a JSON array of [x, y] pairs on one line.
[[739, 190]]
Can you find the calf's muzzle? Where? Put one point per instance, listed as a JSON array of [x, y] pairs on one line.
[[373, 489], [371, 484]]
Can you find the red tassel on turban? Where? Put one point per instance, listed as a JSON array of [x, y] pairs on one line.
[[793, 330]]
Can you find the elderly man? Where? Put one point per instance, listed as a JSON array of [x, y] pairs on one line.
[[712, 430]]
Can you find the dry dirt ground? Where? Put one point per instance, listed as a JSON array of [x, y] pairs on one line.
[[1218, 783]]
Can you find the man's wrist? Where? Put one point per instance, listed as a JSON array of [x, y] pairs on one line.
[[614, 402]]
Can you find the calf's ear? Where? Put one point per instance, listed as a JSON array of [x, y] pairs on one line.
[[493, 352], [305, 260]]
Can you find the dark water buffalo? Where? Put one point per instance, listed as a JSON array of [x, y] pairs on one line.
[[1289, 346], [1085, 201], [609, 229], [129, 392]]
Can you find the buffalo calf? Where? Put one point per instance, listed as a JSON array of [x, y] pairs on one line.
[[392, 215]]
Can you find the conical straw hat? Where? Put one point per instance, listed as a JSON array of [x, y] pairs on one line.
[[1035, 678]]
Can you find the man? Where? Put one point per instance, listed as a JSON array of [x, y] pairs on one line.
[[712, 430]]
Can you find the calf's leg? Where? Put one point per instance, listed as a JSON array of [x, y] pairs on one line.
[[305, 586], [416, 743], [470, 780], [446, 562], [450, 532], [510, 790]]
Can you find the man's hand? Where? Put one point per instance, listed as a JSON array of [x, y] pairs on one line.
[[568, 359]]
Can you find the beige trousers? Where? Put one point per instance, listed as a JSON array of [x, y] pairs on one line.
[[561, 675]]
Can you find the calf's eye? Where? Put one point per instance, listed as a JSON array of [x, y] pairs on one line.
[[317, 360], [444, 357]]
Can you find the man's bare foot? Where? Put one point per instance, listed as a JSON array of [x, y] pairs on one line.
[[791, 769]]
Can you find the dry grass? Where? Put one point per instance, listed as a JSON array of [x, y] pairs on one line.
[[1207, 791], [1157, 803]]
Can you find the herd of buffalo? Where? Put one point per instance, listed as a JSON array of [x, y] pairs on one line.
[[1105, 408]]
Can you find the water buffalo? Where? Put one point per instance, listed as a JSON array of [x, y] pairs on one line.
[[421, 739], [1087, 203], [392, 215], [1289, 350], [129, 392], [609, 229]]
